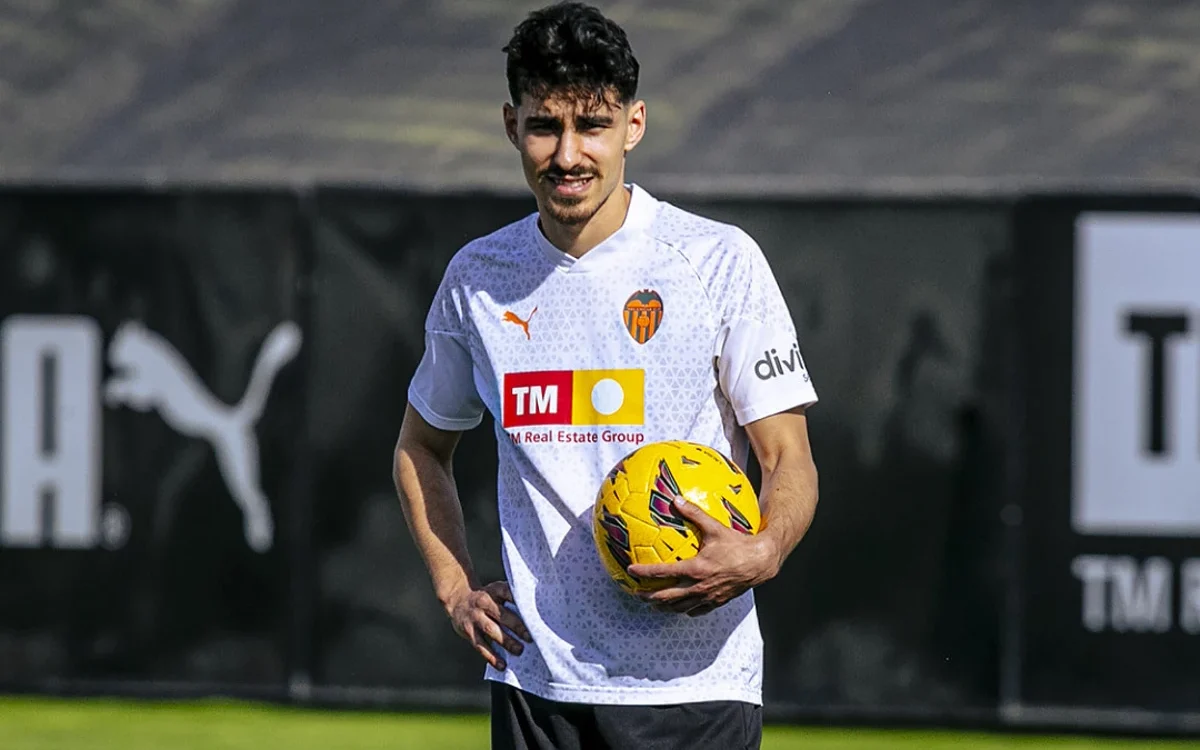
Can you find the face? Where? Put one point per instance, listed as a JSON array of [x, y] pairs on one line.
[[573, 151]]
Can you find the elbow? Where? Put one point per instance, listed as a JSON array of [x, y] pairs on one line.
[[398, 460], [413, 458], [406, 457], [791, 456]]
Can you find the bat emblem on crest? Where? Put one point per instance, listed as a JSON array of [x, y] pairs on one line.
[[643, 314]]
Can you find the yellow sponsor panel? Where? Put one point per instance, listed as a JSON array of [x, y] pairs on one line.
[[608, 397]]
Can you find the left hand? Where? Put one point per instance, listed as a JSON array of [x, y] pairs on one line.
[[728, 564]]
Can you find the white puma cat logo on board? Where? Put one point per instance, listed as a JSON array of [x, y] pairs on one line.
[[150, 374]]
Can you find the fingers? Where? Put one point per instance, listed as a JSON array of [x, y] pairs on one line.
[[487, 650], [512, 621], [693, 598], [677, 599], [493, 631], [506, 616], [684, 606], [697, 515], [653, 570], [488, 624], [683, 569], [500, 591], [672, 594], [694, 568]]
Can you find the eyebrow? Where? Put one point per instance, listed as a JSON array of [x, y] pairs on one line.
[[596, 119]]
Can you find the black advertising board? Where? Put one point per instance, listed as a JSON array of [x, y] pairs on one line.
[[148, 363], [890, 606], [200, 393], [379, 633], [1110, 605]]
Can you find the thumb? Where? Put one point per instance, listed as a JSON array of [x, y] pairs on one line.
[[697, 515]]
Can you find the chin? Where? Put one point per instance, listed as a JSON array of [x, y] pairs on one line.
[[571, 215], [572, 212]]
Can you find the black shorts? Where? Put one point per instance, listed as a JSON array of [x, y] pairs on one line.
[[523, 721]]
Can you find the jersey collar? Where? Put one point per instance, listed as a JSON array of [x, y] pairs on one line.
[[638, 217]]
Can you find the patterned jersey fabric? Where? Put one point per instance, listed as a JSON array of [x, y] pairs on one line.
[[672, 329]]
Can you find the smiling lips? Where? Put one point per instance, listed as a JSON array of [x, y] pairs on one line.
[[572, 185]]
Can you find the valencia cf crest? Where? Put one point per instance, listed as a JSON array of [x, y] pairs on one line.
[[643, 314]]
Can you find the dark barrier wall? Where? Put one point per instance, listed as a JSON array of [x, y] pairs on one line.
[[124, 320], [200, 394], [891, 602], [377, 262]]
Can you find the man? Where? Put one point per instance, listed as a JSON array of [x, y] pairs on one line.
[[527, 323]]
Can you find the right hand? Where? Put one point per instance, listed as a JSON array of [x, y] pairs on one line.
[[480, 617]]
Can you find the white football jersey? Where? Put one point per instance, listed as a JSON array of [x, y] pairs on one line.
[[673, 328]]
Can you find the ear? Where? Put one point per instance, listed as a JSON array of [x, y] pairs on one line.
[[510, 123], [635, 125]]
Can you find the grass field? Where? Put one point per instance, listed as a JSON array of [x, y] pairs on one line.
[[40, 724]]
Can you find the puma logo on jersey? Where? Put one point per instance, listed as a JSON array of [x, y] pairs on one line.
[[152, 375], [512, 317]]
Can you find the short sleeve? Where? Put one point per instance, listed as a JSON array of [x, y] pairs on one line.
[[759, 363], [443, 388]]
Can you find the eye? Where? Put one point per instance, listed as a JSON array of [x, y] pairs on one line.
[[542, 127]]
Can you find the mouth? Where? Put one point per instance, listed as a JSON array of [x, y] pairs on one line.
[[568, 185]]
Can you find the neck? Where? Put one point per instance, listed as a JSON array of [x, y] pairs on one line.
[[577, 239]]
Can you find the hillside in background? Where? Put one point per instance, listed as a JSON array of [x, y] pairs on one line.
[[753, 96]]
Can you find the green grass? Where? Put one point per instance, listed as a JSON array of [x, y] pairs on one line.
[[44, 724]]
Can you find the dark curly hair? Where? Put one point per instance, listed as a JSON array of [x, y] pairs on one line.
[[571, 48]]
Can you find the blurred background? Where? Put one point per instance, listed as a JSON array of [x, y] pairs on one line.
[[983, 216]]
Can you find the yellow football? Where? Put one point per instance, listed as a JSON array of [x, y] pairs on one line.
[[635, 520]]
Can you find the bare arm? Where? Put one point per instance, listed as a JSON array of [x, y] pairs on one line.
[[423, 472], [424, 477], [789, 480]]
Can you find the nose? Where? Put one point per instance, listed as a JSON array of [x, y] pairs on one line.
[[567, 157]]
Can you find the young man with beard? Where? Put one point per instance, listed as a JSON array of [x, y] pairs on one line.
[[606, 316]]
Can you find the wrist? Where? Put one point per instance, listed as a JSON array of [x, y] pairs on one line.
[[772, 552], [450, 593]]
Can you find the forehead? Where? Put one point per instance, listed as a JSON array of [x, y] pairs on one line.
[[569, 106]]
